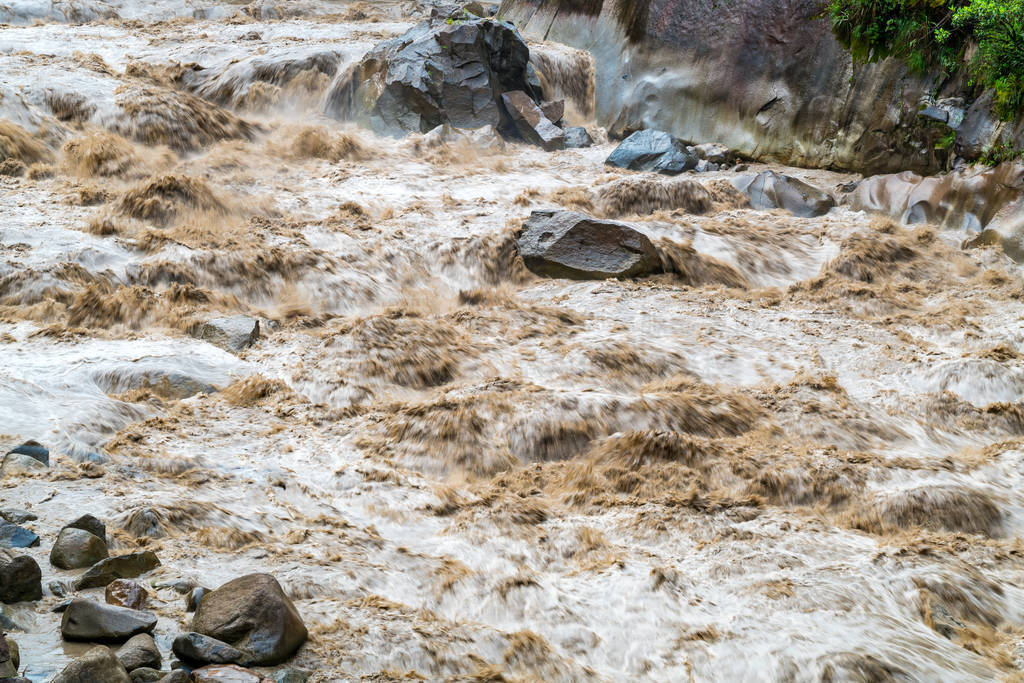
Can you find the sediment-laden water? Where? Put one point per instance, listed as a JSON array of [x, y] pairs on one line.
[[796, 456]]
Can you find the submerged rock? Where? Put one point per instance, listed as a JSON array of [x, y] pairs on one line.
[[89, 620], [231, 334], [98, 664], [653, 150], [573, 245], [126, 593], [20, 578], [253, 614], [140, 651], [14, 536], [531, 123], [446, 70], [33, 449], [230, 673], [771, 190], [19, 463], [128, 566], [145, 522], [199, 649], [75, 548]]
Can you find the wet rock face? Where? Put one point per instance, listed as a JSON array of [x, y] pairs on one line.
[[140, 651], [231, 334], [199, 649], [225, 674], [573, 245], [89, 620], [767, 78], [653, 150], [532, 123], [75, 549], [14, 536], [253, 614], [35, 450], [577, 137], [20, 578], [98, 664], [439, 72], [972, 199], [126, 593], [121, 567], [771, 190]]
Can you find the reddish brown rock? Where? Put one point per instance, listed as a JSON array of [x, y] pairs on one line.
[[126, 593]]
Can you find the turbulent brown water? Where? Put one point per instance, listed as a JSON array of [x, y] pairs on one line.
[[797, 456]]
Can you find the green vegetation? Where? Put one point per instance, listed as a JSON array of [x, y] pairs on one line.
[[986, 36]]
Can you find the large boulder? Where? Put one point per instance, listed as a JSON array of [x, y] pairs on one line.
[[531, 122], [20, 578], [771, 190], [98, 664], [196, 648], [140, 651], [573, 245], [128, 566], [653, 150], [99, 622], [14, 536], [253, 614], [75, 548], [450, 69], [577, 137]]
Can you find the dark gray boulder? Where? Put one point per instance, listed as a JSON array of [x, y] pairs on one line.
[[231, 334], [98, 664], [195, 648], [573, 245], [128, 566], [253, 614], [577, 137], [140, 651], [450, 69], [91, 524], [20, 578], [76, 548], [33, 449], [653, 150], [18, 516], [99, 622], [771, 190], [531, 123], [14, 536]]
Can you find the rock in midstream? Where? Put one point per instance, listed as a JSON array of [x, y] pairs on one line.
[[128, 566], [252, 613], [33, 449], [96, 665], [577, 137], [19, 463], [91, 524], [198, 649], [771, 190], [140, 651], [75, 548], [20, 578], [573, 245], [99, 622], [14, 536], [531, 123], [193, 598], [231, 334], [653, 150], [9, 658], [449, 69], [126, 593]]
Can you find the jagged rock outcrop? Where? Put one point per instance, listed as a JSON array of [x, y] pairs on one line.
[[451, 69], [766, 78]]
